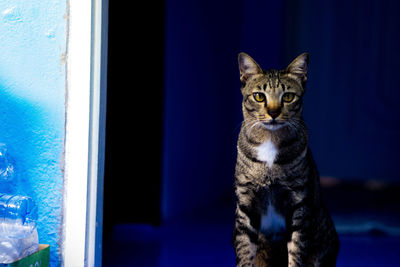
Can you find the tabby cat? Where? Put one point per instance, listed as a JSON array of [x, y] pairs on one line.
[[280, 219]]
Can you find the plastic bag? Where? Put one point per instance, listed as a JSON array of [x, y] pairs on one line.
[[13, 249]]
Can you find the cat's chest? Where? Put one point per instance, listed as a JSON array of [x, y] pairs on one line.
[[273, 224], [267, 152]]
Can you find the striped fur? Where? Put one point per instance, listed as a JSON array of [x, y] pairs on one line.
[[280, 219]]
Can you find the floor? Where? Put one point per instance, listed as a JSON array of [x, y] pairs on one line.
[[369, 236]]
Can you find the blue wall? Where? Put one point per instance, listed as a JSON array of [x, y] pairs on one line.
[[196, 80], [202, 99], [350, 104], [32, 115]]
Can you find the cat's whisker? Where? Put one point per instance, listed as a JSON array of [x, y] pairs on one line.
[[248, 131], [300, 124], [238, 125], [242, 123]]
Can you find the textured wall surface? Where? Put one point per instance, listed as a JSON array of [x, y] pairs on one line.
[[32, 113]]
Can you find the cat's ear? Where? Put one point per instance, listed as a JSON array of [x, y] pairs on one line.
[[248, 67], [298, 68]]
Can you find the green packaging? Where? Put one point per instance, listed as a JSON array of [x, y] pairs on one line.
[[38, 259]]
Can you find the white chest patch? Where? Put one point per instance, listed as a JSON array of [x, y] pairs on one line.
[[272, 223], [267, 152]]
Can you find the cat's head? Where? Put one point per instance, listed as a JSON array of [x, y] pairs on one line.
[[273, 98]]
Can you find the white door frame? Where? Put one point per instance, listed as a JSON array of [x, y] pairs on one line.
[[85, 132]]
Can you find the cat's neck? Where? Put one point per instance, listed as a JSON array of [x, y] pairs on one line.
[[275, 146]]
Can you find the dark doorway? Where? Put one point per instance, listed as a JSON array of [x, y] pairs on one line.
[[134, 113]]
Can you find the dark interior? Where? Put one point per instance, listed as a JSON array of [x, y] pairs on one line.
[[174, 112], [134, 113]]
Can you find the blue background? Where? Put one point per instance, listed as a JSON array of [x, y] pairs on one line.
[[350, 105], [180, 90]]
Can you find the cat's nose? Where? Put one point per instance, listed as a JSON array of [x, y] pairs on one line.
[[274, 113]]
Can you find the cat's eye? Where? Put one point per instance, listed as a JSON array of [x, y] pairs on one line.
[[259, 97], [288, 97]]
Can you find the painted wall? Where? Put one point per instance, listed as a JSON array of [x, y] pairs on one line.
[[202, 99], [353, 119], [32, 111], [350, 107]]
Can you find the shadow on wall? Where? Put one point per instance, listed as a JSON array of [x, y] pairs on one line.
[[34, 139], [351, 102], [202, 104]]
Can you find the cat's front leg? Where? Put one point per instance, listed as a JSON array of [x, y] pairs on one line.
[[244, 240], [296, 250], [298, 245]]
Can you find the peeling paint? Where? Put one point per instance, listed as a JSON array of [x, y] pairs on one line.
[[12, 15], [51, 33], [63, 58]]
